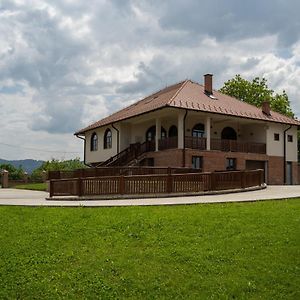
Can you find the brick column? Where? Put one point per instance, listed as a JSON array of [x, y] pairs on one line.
[[25, 177], [44, 176], [4, 181]]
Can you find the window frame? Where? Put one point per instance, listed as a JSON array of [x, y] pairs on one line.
[[230, 163], [107, 143], [197, 132], [290, 138], [94, 142], [276, 137], [197, 162]]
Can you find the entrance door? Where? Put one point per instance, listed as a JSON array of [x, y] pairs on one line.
[[289, 173]]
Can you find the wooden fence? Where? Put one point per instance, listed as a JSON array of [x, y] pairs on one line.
[[118, 171], [155, 183]]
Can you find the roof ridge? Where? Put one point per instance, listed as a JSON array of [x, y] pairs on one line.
[[178, 91]]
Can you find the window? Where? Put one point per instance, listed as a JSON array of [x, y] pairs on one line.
[[151, 132], [173, 131], [94, 142], [107, 139], [198, 130], [276, 136], [197, 162], [228, 133], [230, 163], [290, 138]]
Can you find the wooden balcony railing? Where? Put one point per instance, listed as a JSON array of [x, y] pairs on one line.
[[195, 142], [237, 146], [168, 143], [215, 144]]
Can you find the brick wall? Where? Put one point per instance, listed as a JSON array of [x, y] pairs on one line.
[[275, 170], [216, 161]]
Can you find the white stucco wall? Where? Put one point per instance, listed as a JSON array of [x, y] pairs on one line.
[[275, 148], [101, 154], [255, 133]]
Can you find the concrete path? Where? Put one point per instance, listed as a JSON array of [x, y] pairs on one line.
[[35, 198]]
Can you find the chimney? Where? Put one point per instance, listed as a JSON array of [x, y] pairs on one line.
[[208, 84], [266, 108]]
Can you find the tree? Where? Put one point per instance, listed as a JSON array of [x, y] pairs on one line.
[[13, 172], [57, 165], [256, 92]]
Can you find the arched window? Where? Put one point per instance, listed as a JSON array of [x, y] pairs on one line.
[[173, 131], [198, 130], [228, 133], [107, 139], [151, 133], [94, 142]]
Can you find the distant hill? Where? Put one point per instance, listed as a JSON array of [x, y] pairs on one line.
[[27, 165]]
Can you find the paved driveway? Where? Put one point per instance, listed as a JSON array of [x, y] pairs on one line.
[[35, 198]]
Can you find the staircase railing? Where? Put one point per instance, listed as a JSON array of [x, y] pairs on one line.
[[128, 154]]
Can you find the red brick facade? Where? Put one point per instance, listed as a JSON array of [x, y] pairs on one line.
[[216, 161]]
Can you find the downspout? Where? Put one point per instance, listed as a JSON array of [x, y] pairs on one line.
[[183, 151], [284, 153], [84, 140], [118, 135]]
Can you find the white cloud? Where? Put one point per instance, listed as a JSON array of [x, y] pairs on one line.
[[64, 64]]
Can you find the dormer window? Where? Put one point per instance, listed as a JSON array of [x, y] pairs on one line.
[[94, 142]]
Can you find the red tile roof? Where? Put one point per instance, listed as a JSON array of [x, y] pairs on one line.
[[191, 95]]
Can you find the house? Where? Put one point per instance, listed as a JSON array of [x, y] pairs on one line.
[[193, 125]]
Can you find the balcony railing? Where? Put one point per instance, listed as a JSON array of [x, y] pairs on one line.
[[168, 143], [195, 142], [237, 146], [215, 144]]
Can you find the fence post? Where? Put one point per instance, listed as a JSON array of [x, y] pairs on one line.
[[262, 179], [213, 181], [169, 182], [51, 188], [44, 176], [25, 177], [243, 179], [79, 186], [122, 185], [4, 182]]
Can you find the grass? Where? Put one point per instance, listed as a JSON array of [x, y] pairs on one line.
[[217, 251], [32, 186]]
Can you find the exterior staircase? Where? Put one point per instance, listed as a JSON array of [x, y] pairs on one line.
[[129, 156]]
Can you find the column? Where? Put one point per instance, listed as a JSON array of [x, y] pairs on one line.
[[180, 130], [4, 182], [157, 133], [207, 133]]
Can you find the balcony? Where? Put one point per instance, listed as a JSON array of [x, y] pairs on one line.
[[237, 146], [215, 144]]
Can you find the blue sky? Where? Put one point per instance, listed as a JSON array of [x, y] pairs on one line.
[[65, 64]]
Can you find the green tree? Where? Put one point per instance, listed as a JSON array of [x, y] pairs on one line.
[[13, 172], [57, 165], [256, 92]]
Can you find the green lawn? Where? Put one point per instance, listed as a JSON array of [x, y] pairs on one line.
[[32, 186], [216, 251]]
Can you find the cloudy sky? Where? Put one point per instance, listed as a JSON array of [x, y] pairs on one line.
[[67, 63]]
